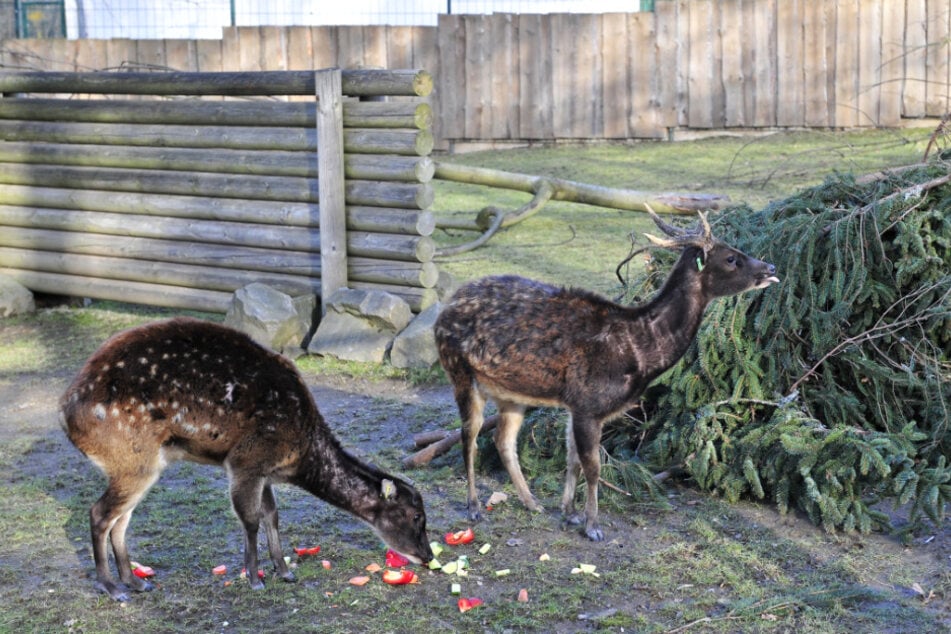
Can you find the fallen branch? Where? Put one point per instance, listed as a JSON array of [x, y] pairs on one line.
[[572, 191], [438, 448]]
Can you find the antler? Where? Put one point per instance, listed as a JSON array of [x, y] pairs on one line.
[[700, 236]]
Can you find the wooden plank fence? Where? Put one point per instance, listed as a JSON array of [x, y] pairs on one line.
[[690, 64], [178, 200]]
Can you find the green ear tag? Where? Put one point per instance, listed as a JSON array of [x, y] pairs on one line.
[[699, 264]]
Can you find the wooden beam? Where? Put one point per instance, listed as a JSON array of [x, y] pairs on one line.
[[333, 223], [354, 82]]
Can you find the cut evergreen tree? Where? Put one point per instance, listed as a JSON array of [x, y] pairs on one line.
[[829, 392]]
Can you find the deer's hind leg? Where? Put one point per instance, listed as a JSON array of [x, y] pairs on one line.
[[247, 494], [511, 416], [108, 520], [269, 519], [471, 405]]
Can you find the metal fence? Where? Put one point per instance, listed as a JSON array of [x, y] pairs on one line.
[[199, 19]]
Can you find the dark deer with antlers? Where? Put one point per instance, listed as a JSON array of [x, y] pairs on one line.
[[523, 343], [194, 390]]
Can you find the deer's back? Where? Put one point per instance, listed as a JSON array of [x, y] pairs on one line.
[[532, 338], [194, 389]]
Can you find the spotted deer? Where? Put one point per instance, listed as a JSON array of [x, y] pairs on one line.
[[522, 343], [198, 391]]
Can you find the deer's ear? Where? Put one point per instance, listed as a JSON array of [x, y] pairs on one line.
[[387, 489]]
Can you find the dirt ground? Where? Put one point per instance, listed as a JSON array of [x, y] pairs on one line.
[[376, 418]]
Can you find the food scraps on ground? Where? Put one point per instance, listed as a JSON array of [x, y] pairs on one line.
[[374, 567], [326, 564], [455, 589], [460, 537], [523, 596], [359, 581], [467, 604], [436, 547], [395, 560], [434, 564], [543, 557], [588, 569], [140, 571], [497, 497], [399, 577], [244, 573], [503, 572], [219, 570], [485, 548], [307, 551]]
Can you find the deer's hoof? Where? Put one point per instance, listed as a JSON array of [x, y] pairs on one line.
[[114, 591], [288, 577], [594, 533]]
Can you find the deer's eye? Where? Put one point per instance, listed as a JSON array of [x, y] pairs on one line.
[[731, 259]]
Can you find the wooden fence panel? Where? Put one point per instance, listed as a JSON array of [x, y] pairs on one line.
[[671, 82], [451, 112], [734, 72], [915, 54], [703, 64], [869, 63], [535, 89], [621, 62], [937, 60], [576, 51], [893, 25], [847, 64], [789, 57], [703, 75], [817, 46], [478, 87], [765, 65]]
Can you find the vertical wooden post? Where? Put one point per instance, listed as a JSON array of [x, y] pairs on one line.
[[333, 224]]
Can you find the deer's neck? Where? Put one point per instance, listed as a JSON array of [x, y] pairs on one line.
[[329, 472], [672, 318]]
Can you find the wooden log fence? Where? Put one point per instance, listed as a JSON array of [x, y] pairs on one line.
[[179, 202]]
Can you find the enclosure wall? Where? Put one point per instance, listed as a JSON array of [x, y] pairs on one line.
[[690, 64]]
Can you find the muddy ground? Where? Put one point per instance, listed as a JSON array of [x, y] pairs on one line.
[[377, 418]]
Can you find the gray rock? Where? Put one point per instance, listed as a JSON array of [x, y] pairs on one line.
[[272, 318], [360, 325], [415, 346], [15, 299]]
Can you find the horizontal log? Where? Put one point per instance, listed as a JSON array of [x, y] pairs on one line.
[[356, 114], [419, 299], [407, 142], [355, 82], [391, 220], [173, 274], [368, 219], [387, 167], [387, 114], [418, 169], [359, 244], [287, 188], [386, 246], [392, 194], [122, 291], [211, 277], [295, 139]]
